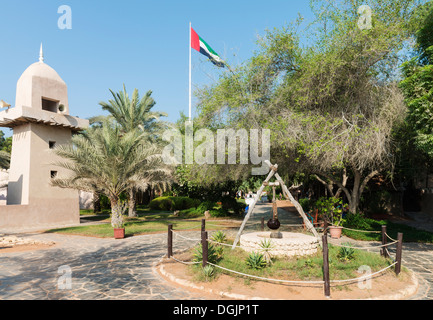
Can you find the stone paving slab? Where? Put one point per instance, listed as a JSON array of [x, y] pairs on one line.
[[100, 269], [104, 269]]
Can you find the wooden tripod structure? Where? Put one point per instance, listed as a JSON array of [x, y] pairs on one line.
[[287, 195]]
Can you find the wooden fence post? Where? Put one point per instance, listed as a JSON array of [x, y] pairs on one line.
[[263, 224], [398, 254], [325, 228], [204, 248], [170, 241], [203, 225], [383, 251], [327, 285]]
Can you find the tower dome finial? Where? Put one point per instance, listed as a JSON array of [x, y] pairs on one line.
[[41, 54]]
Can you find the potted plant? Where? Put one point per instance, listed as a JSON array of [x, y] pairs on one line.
[[332, 211], [117, 220], [119, 232]]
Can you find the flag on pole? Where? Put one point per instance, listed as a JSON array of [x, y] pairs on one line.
[[201, 46]]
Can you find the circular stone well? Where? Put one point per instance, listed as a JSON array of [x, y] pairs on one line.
[[291, 244]]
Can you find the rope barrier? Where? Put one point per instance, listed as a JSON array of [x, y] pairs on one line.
[[263, 278], [304, 282], [370, 247], [178, 235], [366, 276], [389, 255], [184, 262], [390, 237], [321, 282], [366, 231]]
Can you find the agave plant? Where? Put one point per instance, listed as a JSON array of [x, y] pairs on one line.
[[213, 255], [346, 254], [266, 245], [256, 261], [219, 237], [208, 272]]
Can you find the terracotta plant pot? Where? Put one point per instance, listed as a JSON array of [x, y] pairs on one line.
[[335, 232], [119, 233]]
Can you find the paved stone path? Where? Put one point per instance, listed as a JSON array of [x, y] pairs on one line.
[[122, 269], [100, 269]]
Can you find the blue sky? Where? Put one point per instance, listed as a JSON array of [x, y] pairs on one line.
[[142, 44]]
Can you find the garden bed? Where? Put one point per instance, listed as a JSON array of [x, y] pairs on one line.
[[385, 286], [307, 270]]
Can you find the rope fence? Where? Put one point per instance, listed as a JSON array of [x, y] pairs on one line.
[[325, 282]]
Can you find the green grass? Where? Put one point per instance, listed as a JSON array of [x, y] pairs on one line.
[[410, 234], [89, 212], [151, 222]]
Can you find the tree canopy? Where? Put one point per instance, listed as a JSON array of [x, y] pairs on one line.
[[331, 101]]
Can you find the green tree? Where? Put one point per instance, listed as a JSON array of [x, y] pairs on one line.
[[417, 86], [111, 161], [332, 103], [5, 150], [133, 113], [4, 159]]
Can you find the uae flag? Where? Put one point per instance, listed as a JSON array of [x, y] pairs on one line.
[[201, 46]]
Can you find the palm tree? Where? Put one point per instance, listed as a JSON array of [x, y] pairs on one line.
[[5, 159], [133, 113], [106, 160]]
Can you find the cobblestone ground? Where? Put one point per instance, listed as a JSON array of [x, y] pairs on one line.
[[122, 269], [100, 269]]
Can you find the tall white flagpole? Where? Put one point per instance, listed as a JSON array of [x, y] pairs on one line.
[[189, 135], [190, 103]]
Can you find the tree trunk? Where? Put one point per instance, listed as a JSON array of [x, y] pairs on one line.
[[353, 206], [117, 209], [132, 203], [96, 202], [357, 190]]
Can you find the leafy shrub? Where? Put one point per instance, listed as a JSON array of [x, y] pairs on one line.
[[213, 254], [206, 206], [162, 203], [208, 272], [218, 213], [331, 209], [183, 203], [219, 237], [228, 203], [346, 254], [190, 213], [357, 221], [266, 245], [256, 261], [306, 204], [173, 203]]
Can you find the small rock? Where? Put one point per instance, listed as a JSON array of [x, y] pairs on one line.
[[207, 215]]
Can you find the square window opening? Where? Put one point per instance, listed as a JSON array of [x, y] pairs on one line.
[[50, 105]]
